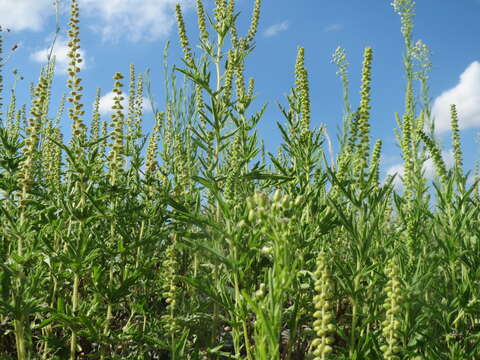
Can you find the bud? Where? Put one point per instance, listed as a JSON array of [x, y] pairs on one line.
[[277, 196], [251, 215]]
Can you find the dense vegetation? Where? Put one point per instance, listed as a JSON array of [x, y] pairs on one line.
[[191, 243]]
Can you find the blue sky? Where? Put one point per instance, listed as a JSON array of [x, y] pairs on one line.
[[115, 33]]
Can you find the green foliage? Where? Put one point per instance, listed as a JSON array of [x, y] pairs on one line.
[[186, 243]]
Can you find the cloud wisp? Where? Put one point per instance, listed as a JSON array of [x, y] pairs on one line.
[[429, 170], [132, 19], [333, 27], [276, 29], [107, 101], [18, 15], [60, 51]]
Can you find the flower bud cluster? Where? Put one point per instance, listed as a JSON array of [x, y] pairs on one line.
[[392, 305], [151, 162], [115, 156], [436, 155], [170, 290], [137, 124], [375, 164], [48, 151], [182, 33], [202, 24], [229, 74], [56, 169], [180, 166], [95, 124], [406, 10], [223, 16], [456, 143], [254, 21], [251, 87], [240, 84], [261, 291], [233, 29], [200, 105], [32, 134], [132, 91], [103, 144], [261, 207], [233, 166], [303, 91], [364, 114], [323, 324], [73, 83]]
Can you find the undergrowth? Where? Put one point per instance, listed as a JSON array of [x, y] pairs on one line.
[[190, 242]]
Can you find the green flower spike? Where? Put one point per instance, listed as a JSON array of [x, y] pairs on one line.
[[375, 164], [323, 324], [457, 151], [364, 115], [303, 91], [436, 157], [182, 33], [116, 155], [392, 305]]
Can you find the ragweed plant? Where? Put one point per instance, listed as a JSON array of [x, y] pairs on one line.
[[190, 243], [21, 296]]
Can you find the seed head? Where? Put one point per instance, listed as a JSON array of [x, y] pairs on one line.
[[182, 33]]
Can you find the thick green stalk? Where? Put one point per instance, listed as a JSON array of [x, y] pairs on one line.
[[354, 300], [75, 301], [247, 340], [20, 324], [19, 328], [108, 317]]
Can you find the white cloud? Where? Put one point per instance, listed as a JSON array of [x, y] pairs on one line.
[[107, 101], [465, 95], [333, 27], [386, 159], [136, 20], [113, 19], [60, 51], [20, 15], [276, 28], [429, 169], [397, 170]]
